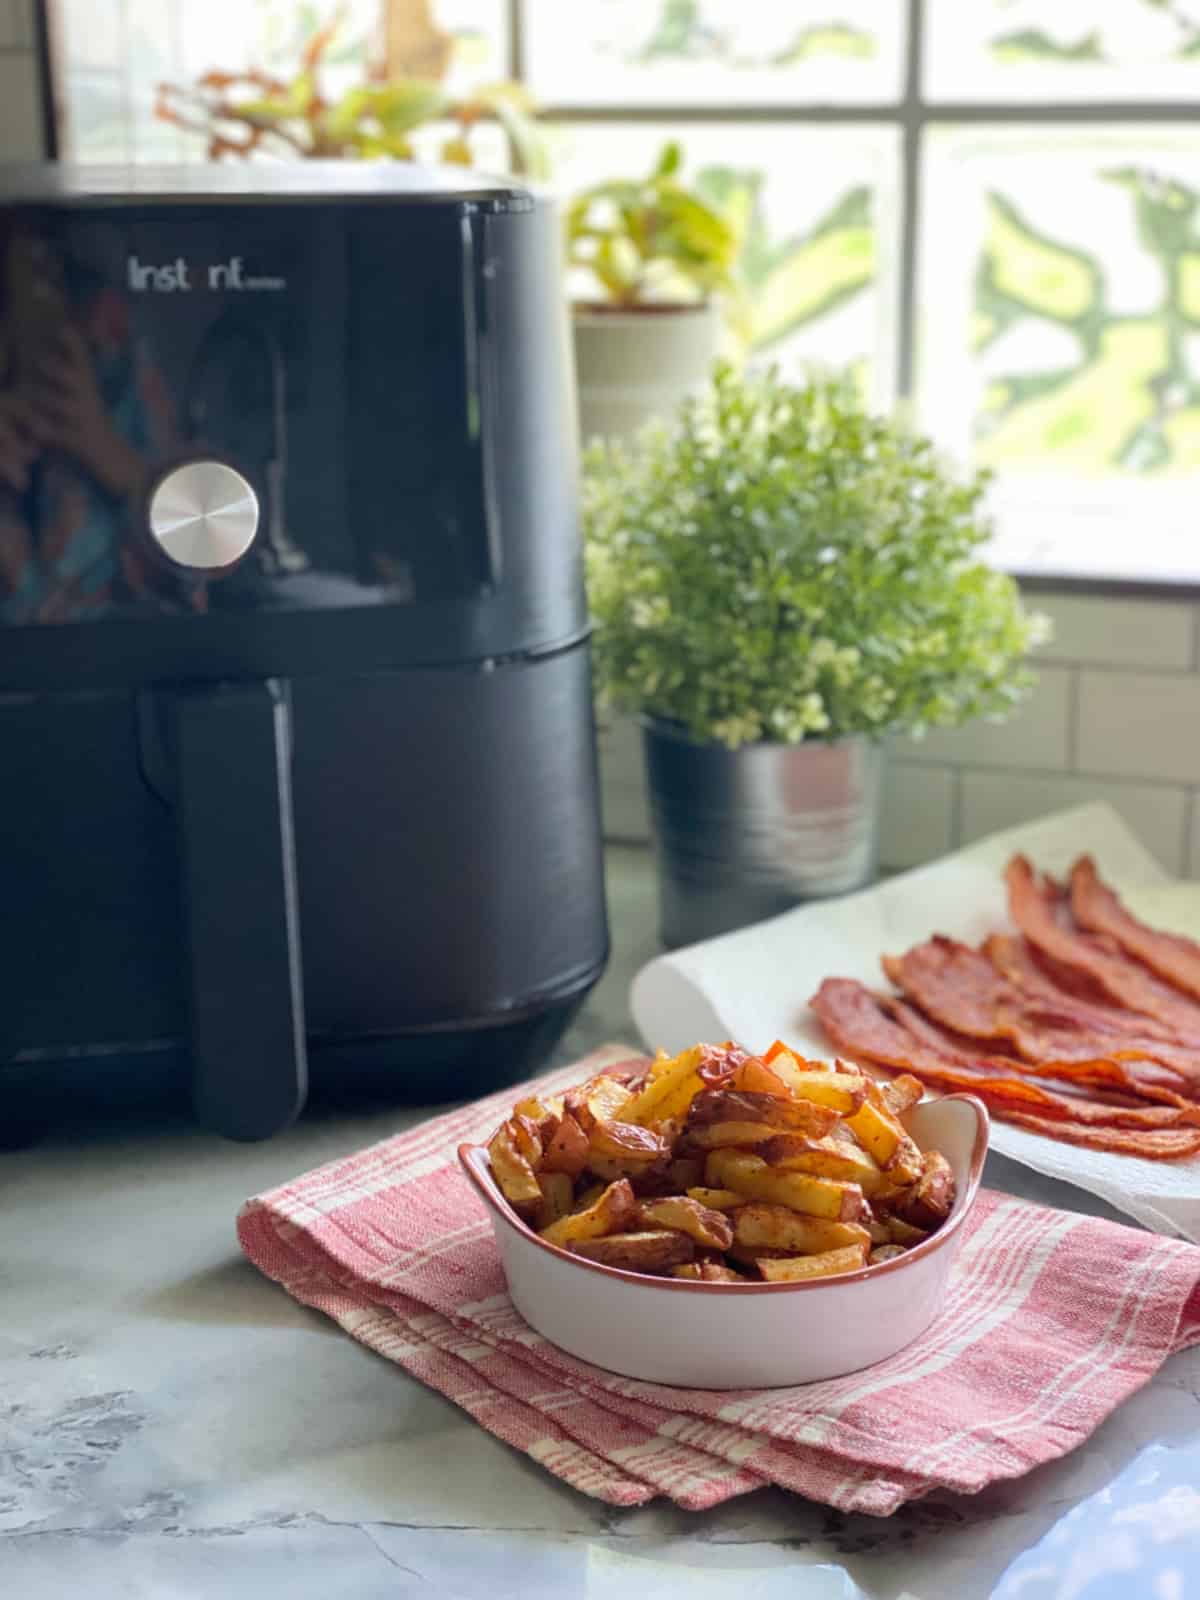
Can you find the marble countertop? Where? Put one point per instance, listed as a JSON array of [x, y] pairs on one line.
[[171, 1424]]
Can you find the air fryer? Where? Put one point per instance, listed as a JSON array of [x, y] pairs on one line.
[[300, 783]]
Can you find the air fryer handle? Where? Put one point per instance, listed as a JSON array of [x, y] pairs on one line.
[[232, 751]]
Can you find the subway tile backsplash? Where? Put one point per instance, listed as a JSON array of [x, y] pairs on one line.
[[1139, 723], [16, 24], [1116, 717], [1157, 813], [1118, 633], [1038, 735], [20, 128]]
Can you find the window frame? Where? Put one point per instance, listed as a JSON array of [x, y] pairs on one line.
[[912, 114]]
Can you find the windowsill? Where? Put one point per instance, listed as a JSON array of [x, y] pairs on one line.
[[1121, 539]]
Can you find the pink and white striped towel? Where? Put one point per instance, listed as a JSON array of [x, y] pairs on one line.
[[1052, 1320]]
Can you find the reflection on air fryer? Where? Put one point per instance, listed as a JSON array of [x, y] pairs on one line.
[[109, 378], [84, 418]]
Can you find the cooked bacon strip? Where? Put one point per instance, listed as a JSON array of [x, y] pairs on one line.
[[960, 988], [1089, 1087], [889, 1033], [1096, 908], [1164, 1144], [1040, 913], [1035, 975]]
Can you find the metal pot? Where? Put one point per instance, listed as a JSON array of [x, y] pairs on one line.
[[745, 834]]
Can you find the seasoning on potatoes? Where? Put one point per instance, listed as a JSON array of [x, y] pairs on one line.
[[718, 1167]]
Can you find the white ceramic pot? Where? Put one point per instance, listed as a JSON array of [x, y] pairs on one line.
[[634, 365], [741, 1335]]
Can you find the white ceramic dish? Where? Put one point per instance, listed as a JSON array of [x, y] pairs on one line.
[[741, 1335]]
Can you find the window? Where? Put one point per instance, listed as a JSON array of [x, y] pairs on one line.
[[989, 208]]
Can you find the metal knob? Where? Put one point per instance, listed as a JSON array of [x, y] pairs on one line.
[[204, 515]]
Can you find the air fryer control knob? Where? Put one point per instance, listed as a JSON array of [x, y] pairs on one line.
[[204, 516]]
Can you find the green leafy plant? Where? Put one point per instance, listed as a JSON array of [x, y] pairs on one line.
[[780, 286], [779, 564], [651, 239], [256, 113]]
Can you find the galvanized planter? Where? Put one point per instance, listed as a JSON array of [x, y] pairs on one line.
[[745, 834]]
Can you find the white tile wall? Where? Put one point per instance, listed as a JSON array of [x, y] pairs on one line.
[[1036, 736], [1118, 633], [20, 92], [1191, 865], [623, 781], [16, 24], [20, 127], [918, 820], [1116, 717], [1156, 812], [1139, 724]]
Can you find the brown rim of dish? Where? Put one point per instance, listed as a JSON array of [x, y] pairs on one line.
[[492, 1197]]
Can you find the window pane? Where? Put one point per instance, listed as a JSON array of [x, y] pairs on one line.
[[1026, 50], [712, 52], [114, 56], [1060, 318], [818, 228]]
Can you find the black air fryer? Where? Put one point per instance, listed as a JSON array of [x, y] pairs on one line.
[[297, 764]]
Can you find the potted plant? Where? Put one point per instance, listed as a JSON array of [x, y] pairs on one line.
[[777, 580], [653, 255], [256, 113]]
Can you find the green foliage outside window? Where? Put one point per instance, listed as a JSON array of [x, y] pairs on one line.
[[1130, 401]]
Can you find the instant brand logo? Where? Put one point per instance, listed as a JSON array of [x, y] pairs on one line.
[[179, 276]]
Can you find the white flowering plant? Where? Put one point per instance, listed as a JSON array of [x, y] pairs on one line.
[[778, 564]]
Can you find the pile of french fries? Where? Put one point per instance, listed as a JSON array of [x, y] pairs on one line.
[[724, 1167]]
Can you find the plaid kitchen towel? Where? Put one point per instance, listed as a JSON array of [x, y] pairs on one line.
[[1051, 1321]]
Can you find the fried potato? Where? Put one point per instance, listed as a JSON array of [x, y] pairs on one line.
[[723, 1135], [654, 1251], [588, 1196], [842, 1091], [879, 1133], [542, 1111], [527, 1139], [566, 1150], [901, 1232], [930, 1202], [826, 1158], [707, 1227], [879, 1231], [598, 1100], [714, 1166], [613, 1208], [557, 1198], [512, 1171], [902, 1093], [707, 1272], [743, 1105], [685, 1172], [624, 1145], [761, 1227], [750, 1175], [717, 1199], [756, 1077], [670, 1093], [786, 1064], [794, 1269]]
